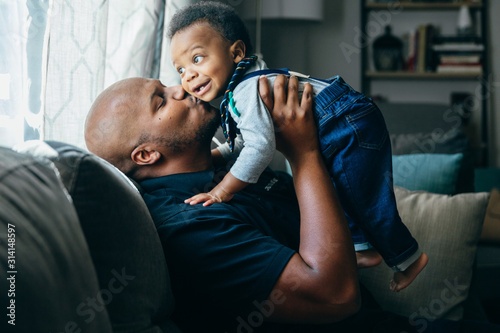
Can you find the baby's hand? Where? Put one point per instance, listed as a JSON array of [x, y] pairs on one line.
[[217, 195]]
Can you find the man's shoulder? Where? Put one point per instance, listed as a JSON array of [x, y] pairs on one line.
[[168, 207], [165, 197]]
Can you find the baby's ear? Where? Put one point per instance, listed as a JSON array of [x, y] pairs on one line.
[[238, 50]]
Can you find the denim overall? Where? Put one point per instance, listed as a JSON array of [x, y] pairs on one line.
[[356, 149]]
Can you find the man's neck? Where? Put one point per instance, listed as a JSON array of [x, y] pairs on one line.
[[187, 163]]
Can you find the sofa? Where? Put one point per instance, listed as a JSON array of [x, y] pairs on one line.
[[80, 252], [82, 249]]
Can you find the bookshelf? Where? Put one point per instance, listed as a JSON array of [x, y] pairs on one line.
[[394, 75], [434, 5], [449, 59]]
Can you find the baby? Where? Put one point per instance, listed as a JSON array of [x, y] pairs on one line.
[[209, 48]]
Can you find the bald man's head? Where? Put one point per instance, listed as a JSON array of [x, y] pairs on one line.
[[108, 130], [145, 128]]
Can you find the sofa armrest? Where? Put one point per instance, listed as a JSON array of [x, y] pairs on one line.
[[47, 272], [122, 239]]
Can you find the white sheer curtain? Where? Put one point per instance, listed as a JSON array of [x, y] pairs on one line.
[[56, 56], [23, 43]]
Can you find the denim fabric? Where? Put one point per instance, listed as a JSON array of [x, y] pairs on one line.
[[357, 151]]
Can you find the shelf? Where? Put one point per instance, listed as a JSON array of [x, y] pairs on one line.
[[417, 11], [401, 75], [421, 5]]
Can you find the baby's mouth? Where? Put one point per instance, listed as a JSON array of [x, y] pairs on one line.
[[202, 88]]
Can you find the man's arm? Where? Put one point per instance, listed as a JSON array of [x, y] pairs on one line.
[[319, 284]]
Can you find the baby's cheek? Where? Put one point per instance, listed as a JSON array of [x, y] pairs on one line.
[[185, 86]]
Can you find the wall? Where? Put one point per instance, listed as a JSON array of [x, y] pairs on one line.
[[313, 47], [332, 47]]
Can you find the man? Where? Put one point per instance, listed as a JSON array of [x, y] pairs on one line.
[[161, 131], [270, 260]]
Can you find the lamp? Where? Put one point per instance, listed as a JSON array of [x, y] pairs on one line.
[[311, 10], [258, 10]]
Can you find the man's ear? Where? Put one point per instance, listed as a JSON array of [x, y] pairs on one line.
[[144, 155], [238, 50]]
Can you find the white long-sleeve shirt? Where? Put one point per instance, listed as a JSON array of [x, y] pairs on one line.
[[256, 142]]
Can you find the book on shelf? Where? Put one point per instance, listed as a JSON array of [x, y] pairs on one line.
[[468, 43], [458, 54], [443, 39], [457, 68], [419, 54], [457, 58], [469, 47]]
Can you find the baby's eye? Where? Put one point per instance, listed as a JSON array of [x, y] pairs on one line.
[[181, 70], [197, 59]]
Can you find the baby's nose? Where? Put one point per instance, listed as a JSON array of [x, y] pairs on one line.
[[190, 74]]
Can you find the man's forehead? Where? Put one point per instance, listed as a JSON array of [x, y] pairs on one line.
[[136, 84], [133, 91]]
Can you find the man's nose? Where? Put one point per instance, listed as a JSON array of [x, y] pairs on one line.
[[177, 92]]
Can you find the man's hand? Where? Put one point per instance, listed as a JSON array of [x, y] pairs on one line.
[[296, 132]]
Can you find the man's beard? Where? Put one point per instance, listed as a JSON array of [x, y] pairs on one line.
[[180, 141], [207, 133]]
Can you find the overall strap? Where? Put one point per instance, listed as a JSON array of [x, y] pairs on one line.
[[228, 124], [284, 71]]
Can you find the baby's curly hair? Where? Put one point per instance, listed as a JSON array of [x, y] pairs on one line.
[[220, 17]]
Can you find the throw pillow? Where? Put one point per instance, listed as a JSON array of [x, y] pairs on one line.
[[439, 141], [436, 173], [447, 228]]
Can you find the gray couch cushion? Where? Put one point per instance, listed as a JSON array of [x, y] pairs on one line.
[[411, 118], [426, 128], [54, 277], [122, 239]]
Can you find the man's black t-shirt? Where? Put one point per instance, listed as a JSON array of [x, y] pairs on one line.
[[224, 259]]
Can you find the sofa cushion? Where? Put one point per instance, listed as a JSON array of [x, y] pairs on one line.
[[429, 128], [47, 277], [447, 229], [436, 173], [453, 141], [436, 142], [122, 239]]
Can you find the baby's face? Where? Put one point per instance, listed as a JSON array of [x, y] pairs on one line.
[[204, 60]]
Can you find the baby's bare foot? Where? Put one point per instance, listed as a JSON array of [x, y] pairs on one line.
[[403, 279], [368, 258]]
